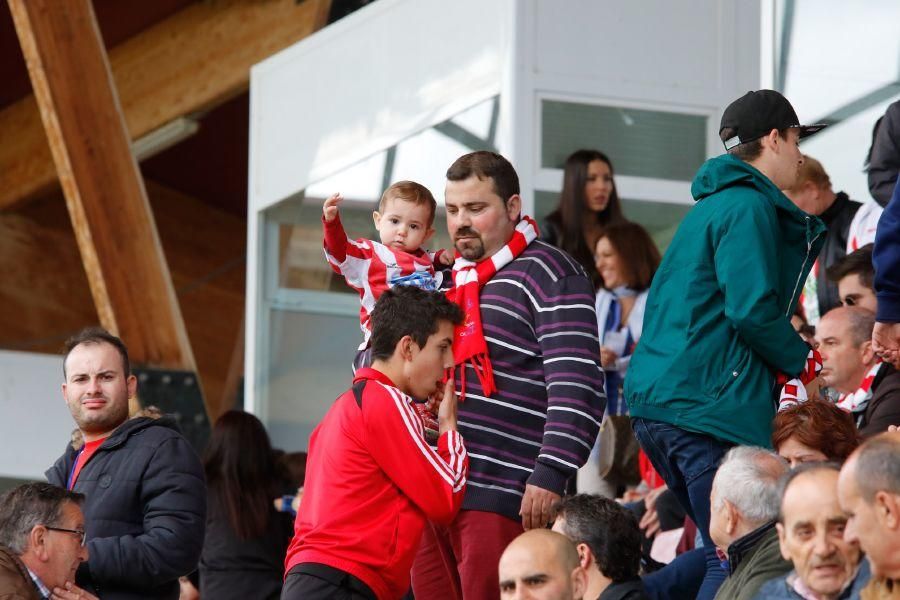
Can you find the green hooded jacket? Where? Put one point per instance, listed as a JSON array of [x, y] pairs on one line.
[[717, 323]]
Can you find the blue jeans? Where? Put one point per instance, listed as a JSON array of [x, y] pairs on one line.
[[687, 461]]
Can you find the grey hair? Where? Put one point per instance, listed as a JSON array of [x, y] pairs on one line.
[[749, 479], [877, 466], [27, 506], [860, 323]]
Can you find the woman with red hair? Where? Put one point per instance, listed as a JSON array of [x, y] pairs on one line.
[[814, 431]]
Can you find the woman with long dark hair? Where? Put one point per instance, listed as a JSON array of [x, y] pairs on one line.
[[246, 538], [588, 203]]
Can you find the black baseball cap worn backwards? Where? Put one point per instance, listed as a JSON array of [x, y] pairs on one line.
[[755, 114]]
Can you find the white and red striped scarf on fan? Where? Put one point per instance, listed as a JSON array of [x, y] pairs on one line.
[[858, 400], [793, 391], [469, 345]]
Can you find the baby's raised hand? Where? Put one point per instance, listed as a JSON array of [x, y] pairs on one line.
[[330, 208], [445, 258]]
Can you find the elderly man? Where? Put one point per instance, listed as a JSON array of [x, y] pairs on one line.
[[41, 542], [527, 370], [868, 388], [869, 494], [541, 565], [811, 535], [744, 504], [145, 507], [608, 541]]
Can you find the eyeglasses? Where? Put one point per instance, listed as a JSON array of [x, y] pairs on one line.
[[80, 533]]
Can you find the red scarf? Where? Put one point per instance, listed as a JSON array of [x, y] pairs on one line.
[[469, 345], [794, 390]]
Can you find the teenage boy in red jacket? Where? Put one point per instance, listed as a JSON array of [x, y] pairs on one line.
[[372, 481]]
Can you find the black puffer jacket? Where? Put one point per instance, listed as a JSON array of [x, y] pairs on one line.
[[837, 218], [884, 163], [145, 510]]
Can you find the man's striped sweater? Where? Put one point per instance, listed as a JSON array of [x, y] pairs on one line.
[[539, 426]]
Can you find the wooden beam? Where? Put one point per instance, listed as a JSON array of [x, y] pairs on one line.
[[189, 62], [46, 298], [105, 196]]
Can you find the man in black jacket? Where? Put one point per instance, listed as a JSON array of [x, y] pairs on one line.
[[814, 195], [145, 508]]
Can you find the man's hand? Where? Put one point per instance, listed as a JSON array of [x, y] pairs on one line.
[[813, 388], [607, 357], [71, 592], [886, 342], [330, 208], [447, 409], [537, 504]]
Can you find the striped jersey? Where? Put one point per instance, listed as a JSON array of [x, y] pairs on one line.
[[539, 426], [370, 267]]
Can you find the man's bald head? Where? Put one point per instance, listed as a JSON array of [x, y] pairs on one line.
[[543, 562]]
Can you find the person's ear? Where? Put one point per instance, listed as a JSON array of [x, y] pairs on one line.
[[37, 542], [866, 353], [514, 207], [782, 541], [376, 218], [887, 507], [585, 556], [731, 517], [131, 384], [428, 233], [771, 139], [405, 348]]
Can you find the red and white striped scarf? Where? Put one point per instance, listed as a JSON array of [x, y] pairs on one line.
[[794, 390], [469, 345], [858, 400]]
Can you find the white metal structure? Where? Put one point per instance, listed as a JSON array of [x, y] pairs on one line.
[[383, 87]]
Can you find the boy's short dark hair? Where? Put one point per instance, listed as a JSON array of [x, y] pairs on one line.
[[97, 335], [858, 262], [609, 530], [750, 150], [487, 165], [408, 310], [410, 191]]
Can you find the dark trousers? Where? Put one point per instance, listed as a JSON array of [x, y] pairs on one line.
[[310, 581], [687, 461]]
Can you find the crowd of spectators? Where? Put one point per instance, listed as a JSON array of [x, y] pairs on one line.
[[558, 412]]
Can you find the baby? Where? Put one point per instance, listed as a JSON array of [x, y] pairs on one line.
[[404, 222]]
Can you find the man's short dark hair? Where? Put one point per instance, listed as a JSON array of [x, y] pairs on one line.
[[28, 505], [408, 310], [802, 469], [858, 262], [748, 151], [97, 335], [609, 530], [487, 165], [877, 467]]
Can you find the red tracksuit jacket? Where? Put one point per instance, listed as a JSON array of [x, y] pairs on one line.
[[371, 482]]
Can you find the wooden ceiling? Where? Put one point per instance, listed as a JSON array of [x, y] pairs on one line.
[[197, 189]]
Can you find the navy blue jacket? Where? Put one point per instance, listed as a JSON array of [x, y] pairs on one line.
[[145, 510], [886, 258]]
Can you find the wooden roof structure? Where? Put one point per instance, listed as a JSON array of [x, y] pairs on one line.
[[151, 248]]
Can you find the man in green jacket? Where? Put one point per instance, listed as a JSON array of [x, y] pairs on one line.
[[717, 323]]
